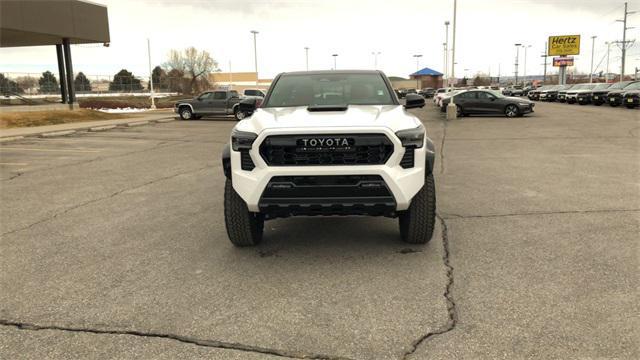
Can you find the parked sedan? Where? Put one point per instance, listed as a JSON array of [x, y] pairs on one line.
[[615, 97], [488, 102]]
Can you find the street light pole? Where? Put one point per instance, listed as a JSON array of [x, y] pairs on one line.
[[335, 66], [517, 56], [593, 46], [153, 103], [525, 62], [255, 53], [375, 59], [417, 56], [446, 53], [306, 54], [451, 108]]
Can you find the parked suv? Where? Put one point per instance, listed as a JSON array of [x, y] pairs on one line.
[[586, 96], [329, 143], [614, 97], [599, 96], [220, 102], [253, 92], [572, 94]]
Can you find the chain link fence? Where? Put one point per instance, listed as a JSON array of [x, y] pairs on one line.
[[47, 84]]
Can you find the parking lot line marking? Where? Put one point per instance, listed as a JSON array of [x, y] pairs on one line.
[[49, 150], [13, 164]]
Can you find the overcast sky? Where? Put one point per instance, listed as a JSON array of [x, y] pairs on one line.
[[486, 33]]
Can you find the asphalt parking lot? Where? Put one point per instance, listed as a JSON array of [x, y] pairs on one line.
[[113, 245]]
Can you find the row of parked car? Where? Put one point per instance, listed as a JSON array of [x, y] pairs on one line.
[[625, 93]]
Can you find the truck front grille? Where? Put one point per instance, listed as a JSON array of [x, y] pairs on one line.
[[290, 150]]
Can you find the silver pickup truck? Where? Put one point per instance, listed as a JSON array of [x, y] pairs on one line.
[[219, 102]]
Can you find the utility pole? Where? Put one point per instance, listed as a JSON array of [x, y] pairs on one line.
[[544, 55], [153, 102], [444, 62], [606, 76], [255, 53], [499, 64], [517, 56], [593, 47], [335, 66], [624, 38], [306, 54]]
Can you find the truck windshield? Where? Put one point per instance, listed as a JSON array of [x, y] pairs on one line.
[[329, 89]]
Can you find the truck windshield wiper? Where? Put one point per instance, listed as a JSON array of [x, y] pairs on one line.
[[327, 107]]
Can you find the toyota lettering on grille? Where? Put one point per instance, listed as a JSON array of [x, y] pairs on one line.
[[325, 143]]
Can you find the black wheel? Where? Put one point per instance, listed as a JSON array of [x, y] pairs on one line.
[[511, 111], [186, 113], [417, 222], [459, 112], [239, 114], [244, 228]]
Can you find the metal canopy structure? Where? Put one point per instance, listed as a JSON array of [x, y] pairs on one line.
[[60, 23]]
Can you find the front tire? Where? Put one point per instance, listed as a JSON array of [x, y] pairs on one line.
[[244, 228], [186, 113], [239, 115], [511, 111], [417, 222]]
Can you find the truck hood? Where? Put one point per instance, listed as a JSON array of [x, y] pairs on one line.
[[393, 117]]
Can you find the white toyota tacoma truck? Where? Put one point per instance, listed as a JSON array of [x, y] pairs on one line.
[[329, 143]]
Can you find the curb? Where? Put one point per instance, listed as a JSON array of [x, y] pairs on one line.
[[57, 133], [11, 138], [137, 123], [90, 129], [102, 128]]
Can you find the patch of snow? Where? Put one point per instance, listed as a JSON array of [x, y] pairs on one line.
[[122, 110]]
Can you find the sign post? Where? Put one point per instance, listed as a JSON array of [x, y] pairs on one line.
[[563, 46]]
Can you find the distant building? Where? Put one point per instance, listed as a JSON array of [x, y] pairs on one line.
[[427, 78], [239, 81]]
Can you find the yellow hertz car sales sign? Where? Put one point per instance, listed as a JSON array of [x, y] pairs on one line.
[[564, 45]]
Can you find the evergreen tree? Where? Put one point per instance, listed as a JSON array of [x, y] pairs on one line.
[[81, 83], [48, 83], [124, 81]]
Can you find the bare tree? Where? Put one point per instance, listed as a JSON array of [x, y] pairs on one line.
[[193, 63]]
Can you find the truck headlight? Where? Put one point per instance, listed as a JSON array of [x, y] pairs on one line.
[[242, 140], [412, 137]]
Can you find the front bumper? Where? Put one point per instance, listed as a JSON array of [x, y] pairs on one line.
[[632, 100], [402, 183]]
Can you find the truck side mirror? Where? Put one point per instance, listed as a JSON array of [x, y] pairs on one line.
[[413, 101], [248, 106]]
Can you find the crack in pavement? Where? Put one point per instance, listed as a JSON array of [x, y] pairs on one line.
[[458, 216], [63, 212], [444, 136], [180, 338], [448, 295]]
